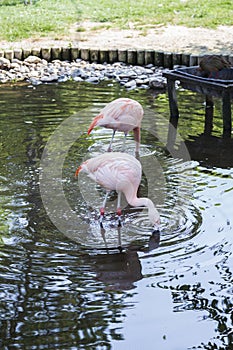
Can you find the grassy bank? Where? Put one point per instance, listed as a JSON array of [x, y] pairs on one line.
[[54, 18]]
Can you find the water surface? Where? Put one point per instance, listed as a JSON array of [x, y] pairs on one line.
[[60, 288]]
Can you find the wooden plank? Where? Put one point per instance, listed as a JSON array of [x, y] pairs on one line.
[[226, 113]]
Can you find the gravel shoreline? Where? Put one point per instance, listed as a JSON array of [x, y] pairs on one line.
[[35, 71]]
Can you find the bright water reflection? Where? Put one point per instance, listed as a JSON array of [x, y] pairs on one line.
[[60, 290]]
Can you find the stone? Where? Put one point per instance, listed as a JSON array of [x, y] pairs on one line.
[[15, 66], [78, 79], [49, 78], [130, 84], [144, 86], [157, 84], [34, 81], [15, 60], [93, 80], [62, 78], [32, 59], [4, 63]]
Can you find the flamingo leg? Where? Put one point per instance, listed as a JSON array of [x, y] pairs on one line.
[[124, 141], [137, 138], [102, 209], [119, 238], [110, 144], [119, 212]]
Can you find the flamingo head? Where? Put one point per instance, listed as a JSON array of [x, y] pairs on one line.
[[154, 217]]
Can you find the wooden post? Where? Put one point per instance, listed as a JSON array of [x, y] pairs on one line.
[[94, 55], [226, 113], [65, 53], [26, 53], [9, 54], [149, 57], [140, 57], [185, 59], [112, 56], [74, 53], [158, 59], [122, 56], [167, 60], [174, 113], [132, 56], [103, 56], [56, 53], [209, 112], [18, 54], [176, 59], [46, 53], [36, 52], [85, 54], [193, 60]]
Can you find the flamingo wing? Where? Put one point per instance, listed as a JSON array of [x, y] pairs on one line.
[[113, 171], [122, 114]]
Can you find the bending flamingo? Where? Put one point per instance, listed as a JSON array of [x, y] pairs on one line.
[[122, 114], [120, 172]]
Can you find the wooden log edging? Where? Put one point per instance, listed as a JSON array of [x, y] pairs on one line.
[[130, 56]]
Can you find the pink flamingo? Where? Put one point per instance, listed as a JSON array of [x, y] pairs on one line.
[[120, 172], [122, 114]]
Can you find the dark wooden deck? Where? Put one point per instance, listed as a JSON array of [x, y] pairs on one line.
[[220, 85]]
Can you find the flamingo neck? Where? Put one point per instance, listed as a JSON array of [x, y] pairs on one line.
[[146, 202]]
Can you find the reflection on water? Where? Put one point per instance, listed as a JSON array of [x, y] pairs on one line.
[[60, 288]]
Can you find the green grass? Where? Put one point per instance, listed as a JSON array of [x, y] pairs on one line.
[[53, 18]]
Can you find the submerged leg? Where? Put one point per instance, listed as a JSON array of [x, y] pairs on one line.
[[102, 232], [110, 145]]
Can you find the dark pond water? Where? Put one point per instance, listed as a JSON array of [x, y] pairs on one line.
[[59, 287]]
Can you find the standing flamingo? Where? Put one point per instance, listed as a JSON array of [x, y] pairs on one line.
[[120, 172], [122, 114]]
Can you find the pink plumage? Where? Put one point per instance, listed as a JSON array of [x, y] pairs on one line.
[[122, 114], [120, 172]]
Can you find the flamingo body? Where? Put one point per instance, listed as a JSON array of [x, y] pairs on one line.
[[122, 114], [120, 172]]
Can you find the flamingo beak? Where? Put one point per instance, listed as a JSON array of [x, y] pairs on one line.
[[77, 171]]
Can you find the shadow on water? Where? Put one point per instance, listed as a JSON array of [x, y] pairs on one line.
[[63, 289], [211, 150]]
